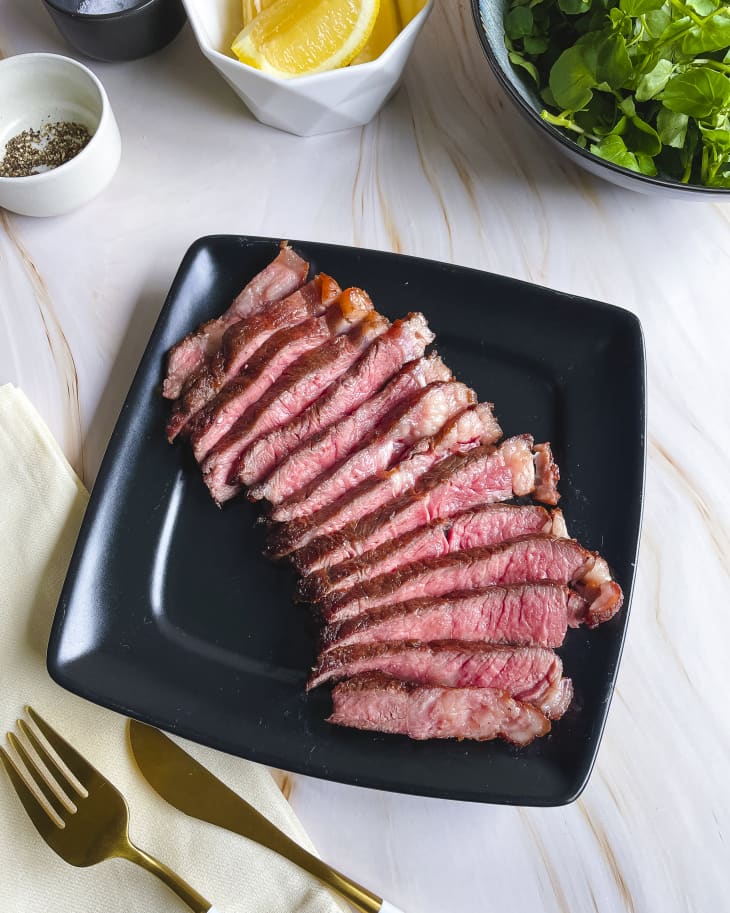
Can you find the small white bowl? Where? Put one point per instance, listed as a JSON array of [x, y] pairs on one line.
[[39, 88], [304, 105]]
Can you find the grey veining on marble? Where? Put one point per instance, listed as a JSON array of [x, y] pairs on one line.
[[448, 171]]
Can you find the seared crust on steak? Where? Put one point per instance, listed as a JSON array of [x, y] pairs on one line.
[[521, 614], [265, 367], [338, 441], [547, 475], [377, 702], [531, 559], [280, 278], [404, 341], [484, 475], [245, 339], [421, 416], [296, 389], [486, 525], [530, 674]]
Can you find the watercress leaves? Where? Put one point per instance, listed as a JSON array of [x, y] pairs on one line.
[[517, 60], [712, 35], [644, 84], [703, 7], [699, 92], [672, 127], [642, 137], [575, 7], [613, 149], [613, 65], [639, 7], [653, 82], [572, 79], [519, 22]]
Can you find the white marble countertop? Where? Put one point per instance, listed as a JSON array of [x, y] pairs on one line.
[[448, 170]]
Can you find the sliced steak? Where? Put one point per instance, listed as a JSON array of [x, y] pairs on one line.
[[420, 417], [487, 525], [280, 278], [547, 475], [383, 704], [532, 559], [341, 439], [405, 341], [245, 338], [530, 674], [523, 614], [483, 475], [604, 595], [267, 366], [467, 431], [297, 388]]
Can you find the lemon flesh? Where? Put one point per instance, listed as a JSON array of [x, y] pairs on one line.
[[409, 9], [297, 37], [387, 27], [251, 9]]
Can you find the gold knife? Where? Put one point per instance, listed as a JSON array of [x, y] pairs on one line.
[[192, 789]]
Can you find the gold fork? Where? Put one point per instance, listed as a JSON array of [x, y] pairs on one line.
[[76, 810]]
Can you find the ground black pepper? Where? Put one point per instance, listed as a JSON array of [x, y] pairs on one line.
[[35, 151]]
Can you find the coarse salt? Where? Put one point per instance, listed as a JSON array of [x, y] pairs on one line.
[[99, 7]]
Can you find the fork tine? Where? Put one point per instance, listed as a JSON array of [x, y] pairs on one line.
[[40, 812], [40, 771], [52, 761], [74, 766]]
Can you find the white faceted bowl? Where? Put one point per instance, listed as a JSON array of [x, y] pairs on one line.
[[305, 105]]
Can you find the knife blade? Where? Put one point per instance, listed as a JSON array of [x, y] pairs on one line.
[[192, 789]]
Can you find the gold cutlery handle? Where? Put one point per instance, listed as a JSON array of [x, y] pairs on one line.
[[184, 891], [270, 836], [192, 789]]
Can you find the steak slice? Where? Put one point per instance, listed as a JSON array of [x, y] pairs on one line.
[[483, 475], [487, 525], [243, 339], [267, 365], [465, 432], [531, 559], [530, 674], [547, 475], [280, 278], [419, 417], [523, 614], [383, 704], [339, 440], [297, 388], [404, 341]]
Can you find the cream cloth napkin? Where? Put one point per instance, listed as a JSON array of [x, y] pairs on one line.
[[42, 503]]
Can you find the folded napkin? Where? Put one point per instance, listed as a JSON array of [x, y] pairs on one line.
[[42, 503]]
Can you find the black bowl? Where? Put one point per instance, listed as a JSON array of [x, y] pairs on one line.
[[488, 17], [123, 35]]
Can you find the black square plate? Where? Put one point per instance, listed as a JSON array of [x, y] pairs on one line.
[[169, 613]]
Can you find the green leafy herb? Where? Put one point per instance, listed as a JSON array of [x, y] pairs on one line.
[[519, 22], [644, 84], [699, 92], [671, 127], [652, 83]]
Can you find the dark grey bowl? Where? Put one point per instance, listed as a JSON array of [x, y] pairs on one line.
[[488, 17], [124, 35]]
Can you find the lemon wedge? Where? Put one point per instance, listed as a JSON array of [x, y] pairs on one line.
[[297, 37], [387, 27], [251, 9], [409, 9]]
